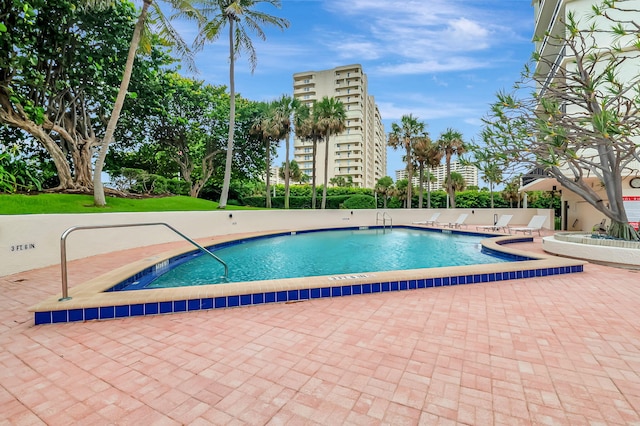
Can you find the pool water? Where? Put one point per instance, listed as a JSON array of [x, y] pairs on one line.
[[330, 253]]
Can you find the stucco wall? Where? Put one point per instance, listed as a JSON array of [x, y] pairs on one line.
[[33, 241]]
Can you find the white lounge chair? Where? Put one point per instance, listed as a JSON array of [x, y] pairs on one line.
[[535, 224], [459, 221], [501, 224], [432, 221]]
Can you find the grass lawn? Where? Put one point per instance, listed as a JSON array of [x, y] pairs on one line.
[[69, 203]]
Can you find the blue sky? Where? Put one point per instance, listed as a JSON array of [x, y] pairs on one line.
[[440, 60]]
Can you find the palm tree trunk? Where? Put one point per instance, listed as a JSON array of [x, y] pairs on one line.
[[98, 189], [286, 172], [232, 122], [268, 158], [409, 175], [326, 172], [313, 178], [421, 194], [452, 198], [429, 188]]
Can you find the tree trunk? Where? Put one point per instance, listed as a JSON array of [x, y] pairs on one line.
[[286, 172], [452, 197], [232, 122], [268, 183], [313, 171], [409, 174], [326, 172], [421, 188], [98, 189]]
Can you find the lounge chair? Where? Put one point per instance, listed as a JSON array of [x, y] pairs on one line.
[[432, 221], [459, 222], [501, 224], [535, 224]]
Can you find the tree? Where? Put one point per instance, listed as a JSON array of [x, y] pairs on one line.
[[485, 163], [331, 118], [385, 188], [295, 174], [426, 154], [511, 192], [450, 143], [403, 135], [584, 122], [456, 181], [267, 128], [341, 181], [308, 128], [284, 112], [242, 18]]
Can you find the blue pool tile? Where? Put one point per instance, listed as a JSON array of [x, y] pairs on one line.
[[233, 301], [257, 298], [207, 303], [395, 286], [346, 290], [281, 296], [59, 316], [430, 282], [512, 275], [122, 311], [325, 292], [193, 304], [180, 306], [484, 278], [42, 318], [293, 295], [270, 297], [454, 280], [304, 294], [413, 284], [107, 312], [545, 272], [90, 314], [422, 283], [357, 288], [386, 287], [166, 307], [404, 285], [137, 310], [245, 299], [376, 287], [220, 302], [149, 308], [437, 282], [315, 293], [76, 315], [336, 291], [366, 288], [446, 281]]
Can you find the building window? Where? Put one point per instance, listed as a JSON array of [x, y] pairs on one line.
[[306, 89], [306, 97]]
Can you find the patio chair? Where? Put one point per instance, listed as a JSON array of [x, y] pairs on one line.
[[535, 224], [432, 221], [459, 222], [501, 224]]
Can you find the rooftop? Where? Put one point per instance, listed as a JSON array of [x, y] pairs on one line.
[[559, 349]]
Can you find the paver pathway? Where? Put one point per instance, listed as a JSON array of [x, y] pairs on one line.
[[549, 351]]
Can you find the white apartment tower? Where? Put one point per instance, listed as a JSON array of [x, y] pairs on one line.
[[360, 151], [469, 173]]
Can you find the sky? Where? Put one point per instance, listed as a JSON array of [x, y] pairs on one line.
[[441, 60]]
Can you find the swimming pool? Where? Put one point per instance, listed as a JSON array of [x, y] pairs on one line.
[[315, 253], [95, 300]]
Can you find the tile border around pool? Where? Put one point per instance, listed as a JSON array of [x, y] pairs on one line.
[[86, 306]]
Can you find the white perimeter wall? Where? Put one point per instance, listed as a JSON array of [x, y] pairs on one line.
[[33, 241]]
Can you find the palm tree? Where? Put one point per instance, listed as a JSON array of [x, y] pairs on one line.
[[286, 108], [241, 17], [385, 188], [450, 144], [403, 135], [185, 9], [307, 128], [331, 117], [426, 153], [266, 127], [457, 182]]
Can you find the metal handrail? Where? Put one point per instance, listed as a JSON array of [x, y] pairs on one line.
[[63, 249], [385, 215]]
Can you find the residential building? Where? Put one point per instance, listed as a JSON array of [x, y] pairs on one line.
[[359, 151], [550, 17], [469, 173]]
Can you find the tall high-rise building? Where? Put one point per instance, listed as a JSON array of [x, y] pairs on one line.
[[469, 173], [360, 151]]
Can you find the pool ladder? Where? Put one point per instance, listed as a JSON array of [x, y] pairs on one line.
[[382, 217], [65, 234]]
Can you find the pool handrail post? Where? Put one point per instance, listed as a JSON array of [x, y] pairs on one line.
[[65, 234]]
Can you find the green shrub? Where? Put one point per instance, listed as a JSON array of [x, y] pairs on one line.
[[360, 202]]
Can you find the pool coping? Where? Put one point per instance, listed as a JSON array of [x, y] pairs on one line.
[[91, 301]]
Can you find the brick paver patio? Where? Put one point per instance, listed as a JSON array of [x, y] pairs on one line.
[[550, 351]]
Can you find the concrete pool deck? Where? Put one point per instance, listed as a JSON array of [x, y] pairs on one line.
[[549, 350]]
